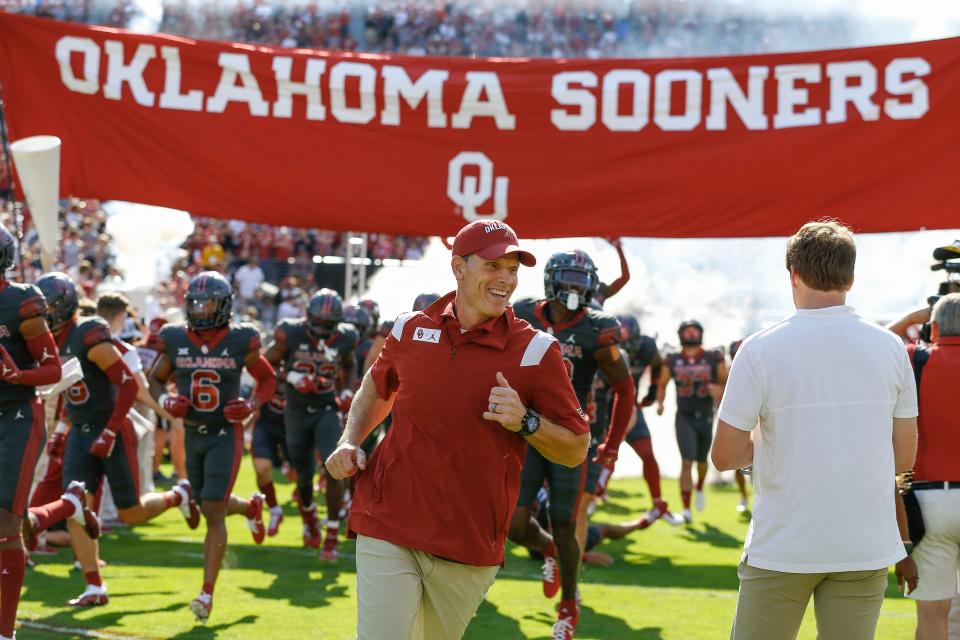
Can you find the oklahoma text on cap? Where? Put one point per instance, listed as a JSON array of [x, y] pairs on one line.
[[490, 239]]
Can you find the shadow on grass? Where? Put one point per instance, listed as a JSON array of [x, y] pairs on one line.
[[207, 632], [490, 623], [637, 569], [712, 536]]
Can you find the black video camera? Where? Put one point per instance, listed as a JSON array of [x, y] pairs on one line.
[[946, 259]]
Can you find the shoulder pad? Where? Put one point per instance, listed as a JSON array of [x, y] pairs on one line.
[[33, 303], [606, 326], [94, 330], [250, 333], [348, 333]]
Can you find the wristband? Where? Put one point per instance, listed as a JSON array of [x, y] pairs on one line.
[[908, 547], [61, 427]]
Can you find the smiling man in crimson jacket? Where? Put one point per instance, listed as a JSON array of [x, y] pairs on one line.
[[470, 385]]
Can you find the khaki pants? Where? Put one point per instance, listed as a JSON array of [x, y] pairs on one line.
[[771, 604], [405, 594]]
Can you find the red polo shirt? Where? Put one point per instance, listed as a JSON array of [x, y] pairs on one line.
[[938, 442], [444, 480]]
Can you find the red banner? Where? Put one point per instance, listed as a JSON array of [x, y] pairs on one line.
[[698, 147]]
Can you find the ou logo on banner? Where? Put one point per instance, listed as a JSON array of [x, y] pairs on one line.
[[470, 192]]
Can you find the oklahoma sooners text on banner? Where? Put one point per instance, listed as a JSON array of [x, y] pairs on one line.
[[731, 146]]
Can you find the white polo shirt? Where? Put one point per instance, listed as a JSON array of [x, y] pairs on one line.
[[823, 386]]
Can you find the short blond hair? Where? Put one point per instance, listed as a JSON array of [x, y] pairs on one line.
[[823, 254]]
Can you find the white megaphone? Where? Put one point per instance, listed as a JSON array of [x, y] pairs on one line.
[[37, 159]]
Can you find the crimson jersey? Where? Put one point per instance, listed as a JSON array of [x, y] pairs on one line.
[[693, 376], [18, 302], [90, 400], [208, 374], [579, 338], [320, 358]]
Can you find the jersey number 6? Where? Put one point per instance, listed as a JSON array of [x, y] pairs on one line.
[[204, 394]]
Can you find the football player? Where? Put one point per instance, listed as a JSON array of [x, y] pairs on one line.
[[699, 376], [424, 300], [101, 441], [28, 359], [206, 358], [317, 352], [361, 320], [641, 353], [269, 435], [588, 340]]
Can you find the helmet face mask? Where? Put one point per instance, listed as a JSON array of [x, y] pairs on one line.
[[62, 299], [629, 332], [8, 250], [571, 278], [209, 302], [690, 333], [324, 313]]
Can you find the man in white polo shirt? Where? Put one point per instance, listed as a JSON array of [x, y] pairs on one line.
[[823, 405]]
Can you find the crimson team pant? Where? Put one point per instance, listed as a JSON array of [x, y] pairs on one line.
[[22, 436], [213, 459], [122, 468]]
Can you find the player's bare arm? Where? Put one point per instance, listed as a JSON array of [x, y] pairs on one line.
[[615, 366], [662, 388]]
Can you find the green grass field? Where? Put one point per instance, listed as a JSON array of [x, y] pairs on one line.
[[670, 583]]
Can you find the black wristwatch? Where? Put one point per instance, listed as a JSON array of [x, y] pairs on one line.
[[529, 424]]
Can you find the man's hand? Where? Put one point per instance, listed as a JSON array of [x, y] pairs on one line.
[[239, 409], [306, 384], [606, 457], [659, 408], [175, 404], [345, 461], [505, 406], [906, 571], [102, 447], [9, 371]]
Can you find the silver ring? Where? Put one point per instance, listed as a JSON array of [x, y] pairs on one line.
[[493, 407]]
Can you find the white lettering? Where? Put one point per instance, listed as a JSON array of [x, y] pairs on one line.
[[692, 108], [790, 96], [471, 105], [639, 114], [564, 94], [90, 82], [397, 84], [171, 98], [338, 95], [896, 84], [119, 73], [859, 95], [310, 87], [236, 66], [725, 89]]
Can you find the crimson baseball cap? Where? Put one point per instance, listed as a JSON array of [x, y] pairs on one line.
[[490, 239]]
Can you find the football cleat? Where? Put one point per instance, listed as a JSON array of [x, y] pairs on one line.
[[276, 517], [699, 500], [551, 576], [687, 517], [188, 507], [566, 623], [92, 596], [331, 546], [255, 523], [311, 527], [658, 511], [673, 519], [201, 606], [742, 506], [76, 494]]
